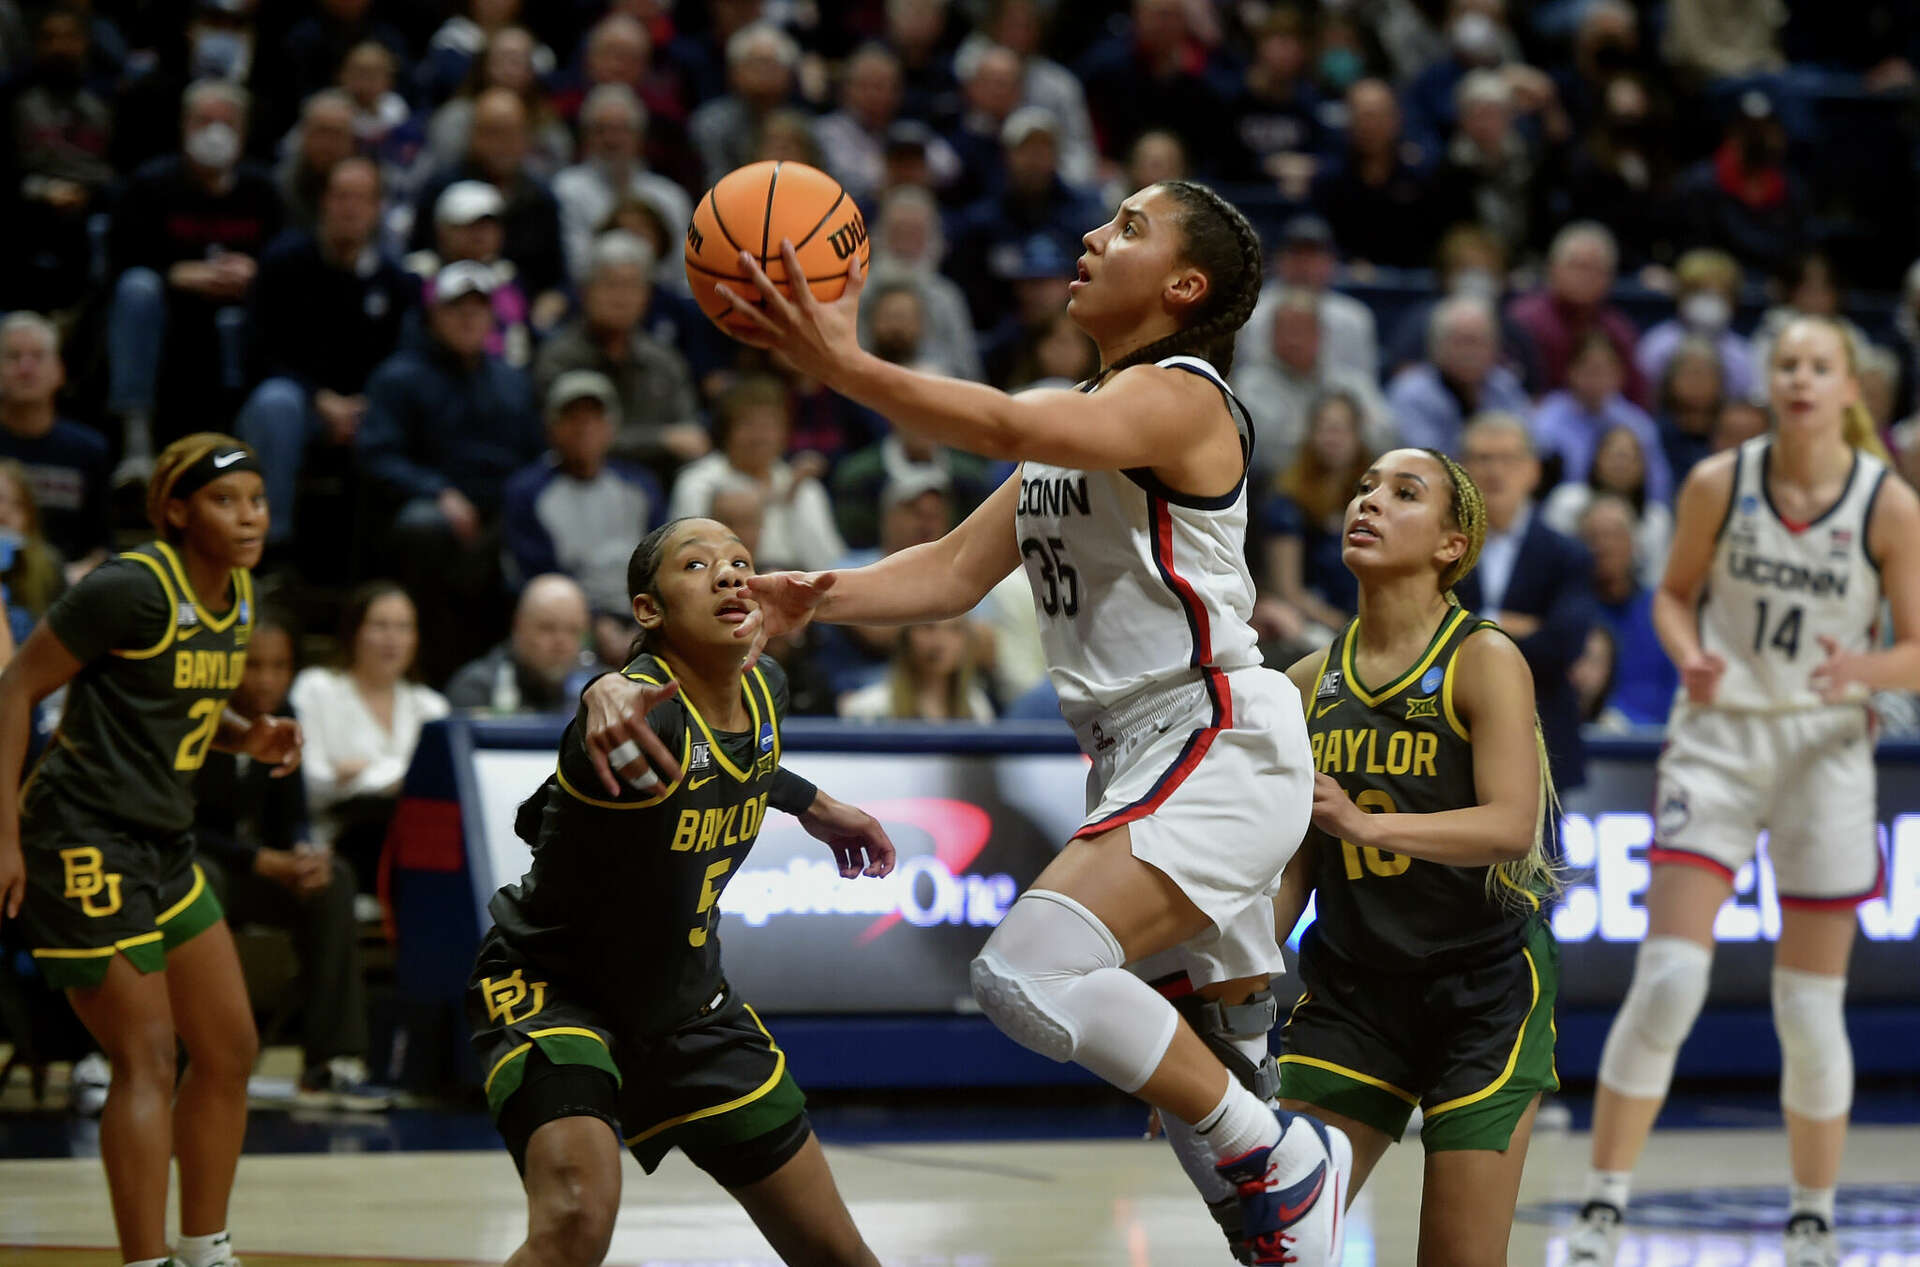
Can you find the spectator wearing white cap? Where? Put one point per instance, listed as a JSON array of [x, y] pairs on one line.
[[446, 424], [613, 165], [577, 509], [328, 307], [753, 423], [467, 225], [659, 422]]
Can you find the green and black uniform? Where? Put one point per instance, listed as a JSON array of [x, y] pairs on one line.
[[106, 819], [1421, 986], [599, 989]]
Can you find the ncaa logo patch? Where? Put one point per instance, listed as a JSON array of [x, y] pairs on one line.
[[1749, 504], [766, 736], [1431, 679]]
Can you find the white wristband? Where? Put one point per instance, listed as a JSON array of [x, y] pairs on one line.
[[624, 755]]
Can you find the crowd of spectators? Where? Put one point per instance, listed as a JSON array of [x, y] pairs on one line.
[[423, 255]]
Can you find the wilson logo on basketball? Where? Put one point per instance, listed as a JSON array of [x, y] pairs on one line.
[[846, 239], [695, 238]]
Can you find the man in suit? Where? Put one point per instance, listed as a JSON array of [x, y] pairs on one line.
[[1534, 581]]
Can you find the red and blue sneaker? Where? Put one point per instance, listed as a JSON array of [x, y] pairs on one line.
[[1293, 1194]]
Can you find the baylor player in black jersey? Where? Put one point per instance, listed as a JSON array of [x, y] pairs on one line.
[[598, 998], [96, 852], [1429, 971]]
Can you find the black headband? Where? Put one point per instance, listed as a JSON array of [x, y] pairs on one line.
[[216, 462]]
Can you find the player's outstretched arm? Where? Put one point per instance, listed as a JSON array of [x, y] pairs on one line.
[[1493, 696], [1893, 542], [42, 667], [1145, 417], [935, 581], [860, 844]]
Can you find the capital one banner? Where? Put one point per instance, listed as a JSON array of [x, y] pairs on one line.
[[973, 830]]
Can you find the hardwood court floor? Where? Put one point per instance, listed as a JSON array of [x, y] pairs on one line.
[[1710, 1201]]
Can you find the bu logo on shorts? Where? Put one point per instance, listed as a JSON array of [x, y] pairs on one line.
[[505, 996], [87, 880]]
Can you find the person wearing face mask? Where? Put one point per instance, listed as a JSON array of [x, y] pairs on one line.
[[1747, 195], [59, 129], [1706, 287], [185, 235]]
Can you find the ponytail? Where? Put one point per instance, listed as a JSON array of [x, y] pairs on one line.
[[1856, 427]]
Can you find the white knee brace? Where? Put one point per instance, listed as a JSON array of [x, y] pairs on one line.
[[1051, 978], [1669, 985], [1816, 1060]]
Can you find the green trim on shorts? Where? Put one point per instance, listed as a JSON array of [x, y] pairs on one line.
[[1486, 1119], [563, 1045], [66, 969], [1348, 1092], [192, 915]]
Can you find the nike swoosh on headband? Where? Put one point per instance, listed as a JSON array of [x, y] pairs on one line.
[[228, 459]]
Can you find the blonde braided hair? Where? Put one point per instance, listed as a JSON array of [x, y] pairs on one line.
[[172, 463], [1535, 877]]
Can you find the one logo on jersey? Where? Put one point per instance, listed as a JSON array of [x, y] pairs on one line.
[[1329, 685], [87, 879], [1674, 812], [766, 736], [1431, 679], [513, 999], [1840, 543], [1101, 739], [186, 618], [1422, 706], [702, 756]]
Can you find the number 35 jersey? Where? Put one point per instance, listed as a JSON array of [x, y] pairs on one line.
[[1776, 588], [1135, 585], [1403, 749], [157, 668]]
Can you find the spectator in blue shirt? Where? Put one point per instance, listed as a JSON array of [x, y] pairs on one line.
[[1433, 400], [1569, 423], [327, 309], [66, 463], [1644, 679], [446, 425], [576, 510]]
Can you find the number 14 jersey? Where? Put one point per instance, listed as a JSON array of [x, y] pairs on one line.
[[1136, 585], [1776, 588]]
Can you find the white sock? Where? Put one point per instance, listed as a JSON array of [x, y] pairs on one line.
[[205, 1251], [1610, 1186], [1238, 1124], [1818, 1201]]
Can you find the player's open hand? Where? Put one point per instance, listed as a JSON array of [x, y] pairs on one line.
[[274, 741], [820, 339], [859, 843], [1335, 813], [1701, 676], [783, 603], [1838, 674], [619, 740]]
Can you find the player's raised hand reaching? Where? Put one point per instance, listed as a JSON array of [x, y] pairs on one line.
[[819, 338], [619, 741], [859, 843], [783, 603]]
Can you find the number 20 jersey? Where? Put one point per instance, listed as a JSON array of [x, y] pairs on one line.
[[1136, 585], [1776, 588]]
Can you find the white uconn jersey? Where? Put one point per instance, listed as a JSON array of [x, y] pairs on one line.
[[1775, 589], [1136, 585]]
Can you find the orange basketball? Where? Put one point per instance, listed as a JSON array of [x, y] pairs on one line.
[[752, 209]]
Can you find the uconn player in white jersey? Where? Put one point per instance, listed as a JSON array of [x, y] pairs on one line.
[[1129, 515], [1783, 551]]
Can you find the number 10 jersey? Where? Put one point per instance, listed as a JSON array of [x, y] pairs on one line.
[[1776, 588], [1136, 585]]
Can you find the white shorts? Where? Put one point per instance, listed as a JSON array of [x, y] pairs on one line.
[[1806, 777], [1214, 781]]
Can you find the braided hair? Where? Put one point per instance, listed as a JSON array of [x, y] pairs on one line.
[[1467, 508], [1222, 245], [643, 575], [1525, 883]]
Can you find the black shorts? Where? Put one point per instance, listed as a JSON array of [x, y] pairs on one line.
[[1472, 1049], [96, 888], [716, 1087]]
